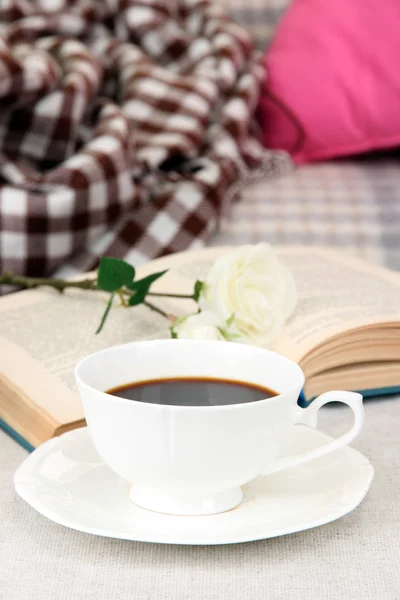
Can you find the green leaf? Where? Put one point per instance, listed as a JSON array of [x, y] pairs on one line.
[[231, 319], [114, 273], [138, 297], [105, 314], [174, 335], [230, 337], [198, 286], [141, 287]]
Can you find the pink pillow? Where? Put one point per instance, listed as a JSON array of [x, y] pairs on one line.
[[333, 85]]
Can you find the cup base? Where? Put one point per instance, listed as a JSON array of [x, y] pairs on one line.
[[210, 504]]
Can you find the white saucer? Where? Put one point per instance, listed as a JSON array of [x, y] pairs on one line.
[[66, 481]]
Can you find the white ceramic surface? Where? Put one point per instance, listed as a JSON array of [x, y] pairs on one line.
[[190, 460], [66, 481]]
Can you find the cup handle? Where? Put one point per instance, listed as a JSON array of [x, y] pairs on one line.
[[309, 416]]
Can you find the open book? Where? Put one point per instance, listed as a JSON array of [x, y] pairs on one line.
[[345, 334]]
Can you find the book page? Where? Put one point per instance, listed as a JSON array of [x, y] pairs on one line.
[[43, 334], [336, 294]]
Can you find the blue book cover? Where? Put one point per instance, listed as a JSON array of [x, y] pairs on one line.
[[18, 438], [384, 391]]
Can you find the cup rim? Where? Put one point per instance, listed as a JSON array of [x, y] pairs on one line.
[[188, 342]]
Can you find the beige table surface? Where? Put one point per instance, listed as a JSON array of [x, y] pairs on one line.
[[354, 558]]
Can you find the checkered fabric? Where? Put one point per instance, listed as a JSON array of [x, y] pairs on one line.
[[125, 128]]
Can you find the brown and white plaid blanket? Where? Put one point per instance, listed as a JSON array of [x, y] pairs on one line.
[[125, 127]]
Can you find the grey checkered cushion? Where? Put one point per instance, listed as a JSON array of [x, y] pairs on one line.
[[352, 205]]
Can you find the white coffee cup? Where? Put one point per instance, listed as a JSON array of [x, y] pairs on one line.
[[193, 460]]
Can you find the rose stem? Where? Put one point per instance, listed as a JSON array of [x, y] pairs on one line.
[[58, 284], [156, 309], [161, 295]]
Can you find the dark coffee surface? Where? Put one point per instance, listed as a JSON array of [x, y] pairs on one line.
[[192, 392]]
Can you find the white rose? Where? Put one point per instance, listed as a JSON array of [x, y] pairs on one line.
[[252, 284], [204, 325]]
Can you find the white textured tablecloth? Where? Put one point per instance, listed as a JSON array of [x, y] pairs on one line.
[[354, 558]]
